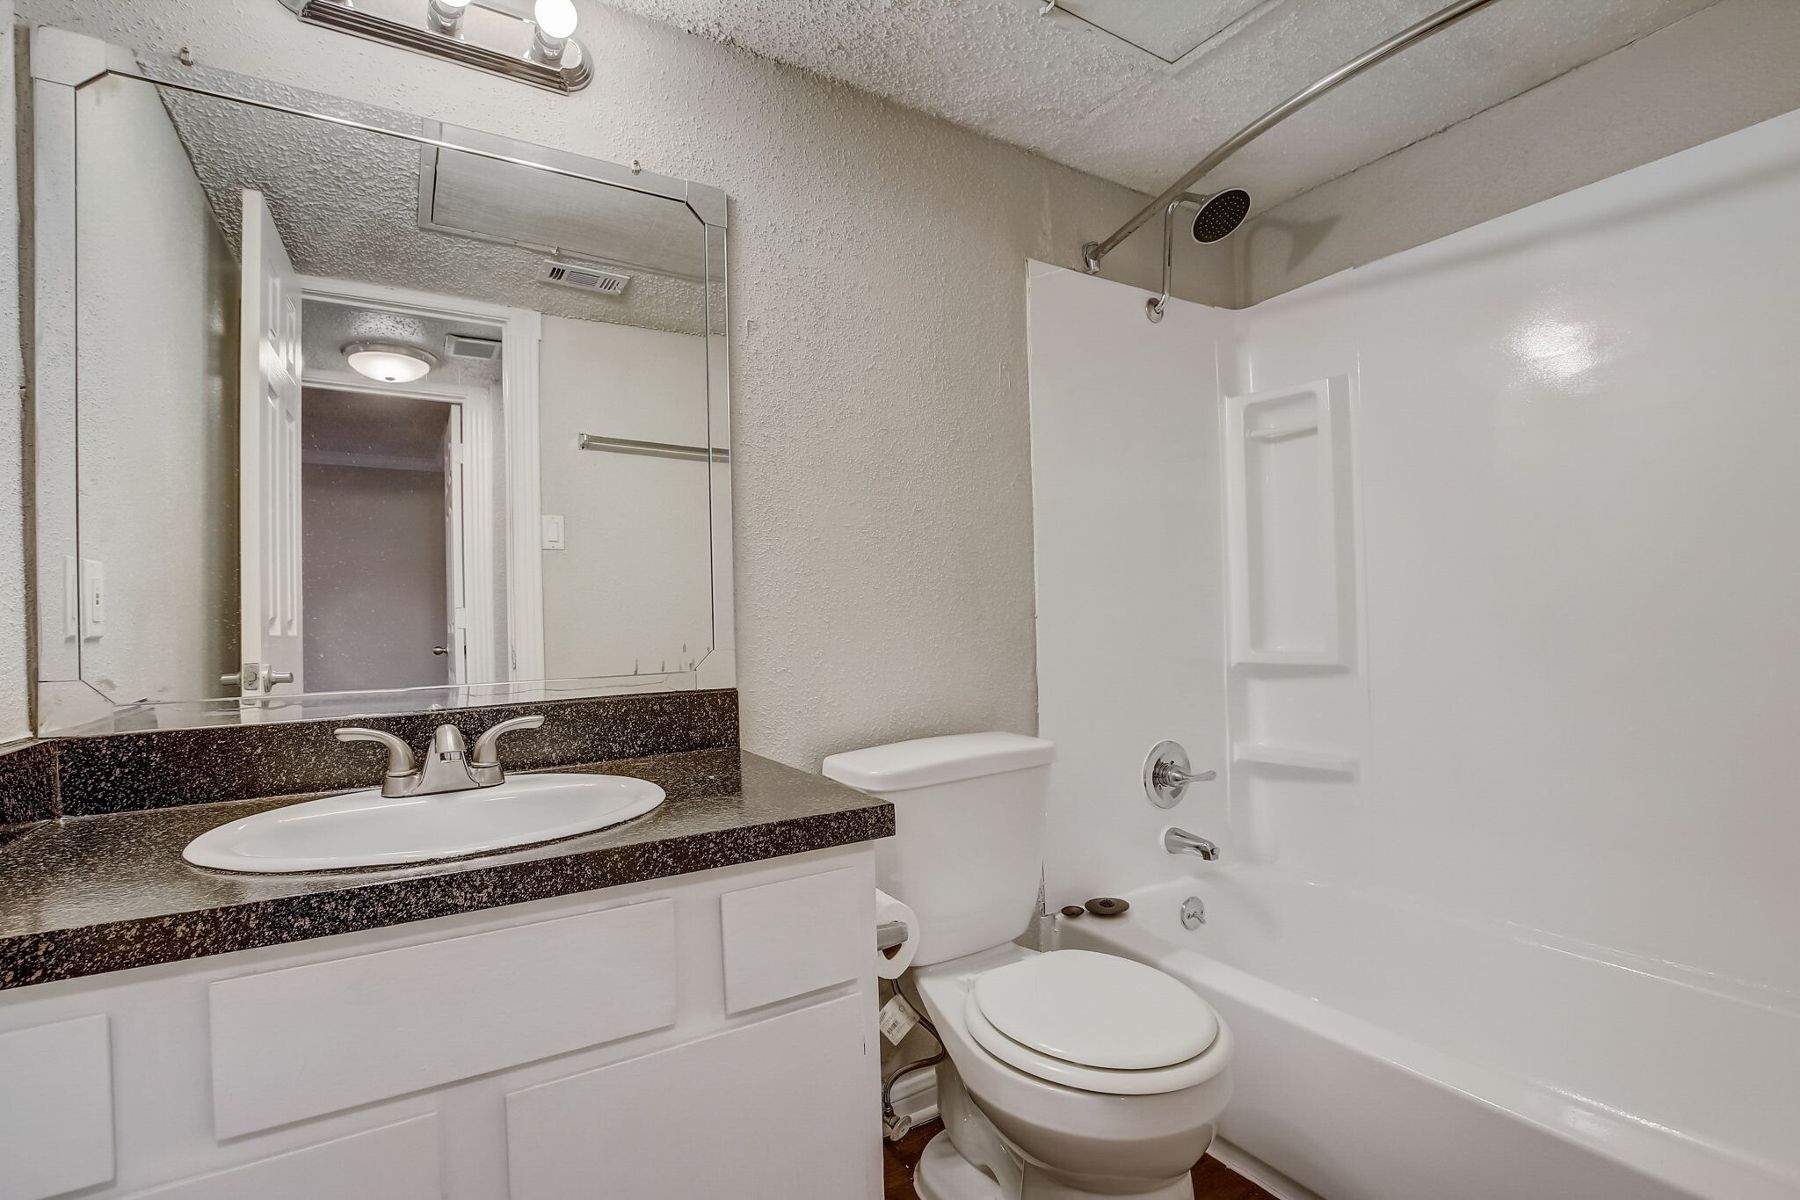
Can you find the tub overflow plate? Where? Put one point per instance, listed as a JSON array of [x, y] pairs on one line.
[[1193, 913]]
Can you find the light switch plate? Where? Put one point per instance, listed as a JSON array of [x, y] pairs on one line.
[[93, 599], [553, 532]]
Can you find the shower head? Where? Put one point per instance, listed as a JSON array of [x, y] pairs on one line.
[[1220, 214], [1217, 218]]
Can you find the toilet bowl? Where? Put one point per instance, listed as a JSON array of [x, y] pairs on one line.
[[1024, 1123], [1068, 1074]]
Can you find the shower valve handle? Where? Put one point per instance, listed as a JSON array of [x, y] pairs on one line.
[[1167, 774], [1175, 776]]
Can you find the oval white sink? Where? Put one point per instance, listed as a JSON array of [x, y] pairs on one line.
[[364, 829]]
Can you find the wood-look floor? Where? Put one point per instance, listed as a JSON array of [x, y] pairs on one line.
[[1213, 1180]]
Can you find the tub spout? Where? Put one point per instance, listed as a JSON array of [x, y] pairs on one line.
[[1180, 841]]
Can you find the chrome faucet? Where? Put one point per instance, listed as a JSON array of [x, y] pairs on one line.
[[449, 765], [1180, 841]]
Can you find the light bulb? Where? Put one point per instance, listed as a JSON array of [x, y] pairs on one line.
[[555, 18], [446, 16]]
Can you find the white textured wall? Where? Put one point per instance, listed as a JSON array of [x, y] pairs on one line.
[[1725, 67], [15, 668], [881, 458], [632, 589], [157, 358]]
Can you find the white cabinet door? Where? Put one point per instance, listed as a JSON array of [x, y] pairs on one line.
[[325, 1037], [772, 1111], [56, 1120], [394, 1162], [794, 936]]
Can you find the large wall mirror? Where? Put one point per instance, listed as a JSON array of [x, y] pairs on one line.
[[341, 409]]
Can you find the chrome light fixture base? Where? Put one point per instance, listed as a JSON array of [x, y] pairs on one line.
[[489, 36]]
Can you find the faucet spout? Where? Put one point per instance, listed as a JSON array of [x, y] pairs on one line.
[[1180, 841]]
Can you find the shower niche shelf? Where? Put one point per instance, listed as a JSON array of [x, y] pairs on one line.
[[1287, 502], [1295, 758]]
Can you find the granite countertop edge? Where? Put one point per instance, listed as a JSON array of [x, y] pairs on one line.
[[823, 815]]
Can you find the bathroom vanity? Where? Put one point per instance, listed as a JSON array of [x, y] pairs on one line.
[[377, 425], [678, 1006]]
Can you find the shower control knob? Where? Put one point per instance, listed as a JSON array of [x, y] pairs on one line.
[[1167, 774]]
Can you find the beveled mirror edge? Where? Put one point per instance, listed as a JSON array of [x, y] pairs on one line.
[[64, 704]]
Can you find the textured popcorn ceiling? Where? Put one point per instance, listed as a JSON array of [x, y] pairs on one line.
[[347, 204], [1064, 87]]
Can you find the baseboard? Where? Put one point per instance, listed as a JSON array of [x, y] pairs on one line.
[[914, 1096], [1260, 1173]]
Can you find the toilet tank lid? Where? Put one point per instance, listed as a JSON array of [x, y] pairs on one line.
[[923, 762]]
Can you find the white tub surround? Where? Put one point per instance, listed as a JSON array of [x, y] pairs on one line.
[[1466, 571]]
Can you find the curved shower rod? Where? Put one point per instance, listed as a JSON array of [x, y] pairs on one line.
[[1093, 252]]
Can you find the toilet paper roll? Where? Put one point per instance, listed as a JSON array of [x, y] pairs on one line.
[[892, 962]]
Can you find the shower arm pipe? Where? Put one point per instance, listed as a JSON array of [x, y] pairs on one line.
[[1093, 252], [1155, 306]]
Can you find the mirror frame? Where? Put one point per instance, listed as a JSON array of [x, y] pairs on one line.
[[66, 704]]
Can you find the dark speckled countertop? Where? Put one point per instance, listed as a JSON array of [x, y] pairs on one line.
[[94, 894]]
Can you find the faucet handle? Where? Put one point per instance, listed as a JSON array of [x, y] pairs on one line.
[[400, 755], [487, 746]]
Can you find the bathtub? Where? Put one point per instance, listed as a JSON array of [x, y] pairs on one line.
[[1389, 1051]]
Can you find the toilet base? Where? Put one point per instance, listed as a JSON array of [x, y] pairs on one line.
[[943, 1174]]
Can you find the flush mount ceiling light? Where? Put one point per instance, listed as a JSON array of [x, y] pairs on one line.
[[389, 362], [532, 43]]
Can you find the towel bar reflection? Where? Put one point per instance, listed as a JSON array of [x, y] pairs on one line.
[[593, 441]]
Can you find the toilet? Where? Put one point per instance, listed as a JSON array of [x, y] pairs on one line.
[[1068, 1074]]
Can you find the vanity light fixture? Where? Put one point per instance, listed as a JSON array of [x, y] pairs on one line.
[[532, 43], [389, 362]]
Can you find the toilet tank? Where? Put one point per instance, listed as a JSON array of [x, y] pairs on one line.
[[968, 848]]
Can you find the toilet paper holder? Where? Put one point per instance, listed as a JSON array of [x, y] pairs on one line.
[[890, 935]]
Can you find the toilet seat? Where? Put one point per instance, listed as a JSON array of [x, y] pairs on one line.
[[1095, 1022]]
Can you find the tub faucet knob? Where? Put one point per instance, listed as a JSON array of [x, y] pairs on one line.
[[1180, 841]]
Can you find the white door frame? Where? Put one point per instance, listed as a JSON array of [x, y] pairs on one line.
[[520, 332]]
